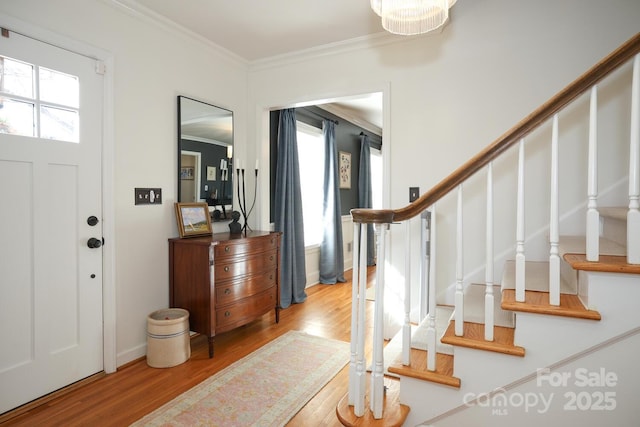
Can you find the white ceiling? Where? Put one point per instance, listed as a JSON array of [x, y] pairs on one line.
[[255, 30]]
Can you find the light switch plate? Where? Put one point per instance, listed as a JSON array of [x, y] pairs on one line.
[[148, 196], [414, 193]]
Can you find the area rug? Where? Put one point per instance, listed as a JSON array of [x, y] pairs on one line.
[[265, 388]]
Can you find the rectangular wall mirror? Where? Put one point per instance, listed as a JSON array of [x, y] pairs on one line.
[[205, 155]]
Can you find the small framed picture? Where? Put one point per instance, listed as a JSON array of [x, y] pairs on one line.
[[186, 172], [345, 169], [193, 219], [211, 173]]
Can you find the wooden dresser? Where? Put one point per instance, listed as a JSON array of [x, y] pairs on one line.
[[225, 281]]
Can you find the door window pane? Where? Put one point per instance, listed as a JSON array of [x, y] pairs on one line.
[[17, 117], [56, 123], [58, 88], [16, 77]]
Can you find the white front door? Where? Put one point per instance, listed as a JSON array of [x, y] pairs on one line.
[[50, 185]]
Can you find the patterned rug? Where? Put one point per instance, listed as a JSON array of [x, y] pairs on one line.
[[265, 388]]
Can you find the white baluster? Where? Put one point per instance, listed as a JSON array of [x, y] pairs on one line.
[[377, 371], [406, 327], [488, 297], [554, 220], [520, 258], [633, 216], [593, 217], [424, 264], [354, 317], [459, 297], [359, 406], [431, 328]]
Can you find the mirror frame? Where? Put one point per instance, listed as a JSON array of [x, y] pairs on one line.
[[216, 158]]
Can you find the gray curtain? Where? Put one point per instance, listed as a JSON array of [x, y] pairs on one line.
[[288, 213], [364, 191], [331, 254]]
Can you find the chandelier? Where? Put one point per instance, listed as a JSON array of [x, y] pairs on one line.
[[409, 17]]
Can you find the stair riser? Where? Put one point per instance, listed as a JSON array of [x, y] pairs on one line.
[[615, 230]]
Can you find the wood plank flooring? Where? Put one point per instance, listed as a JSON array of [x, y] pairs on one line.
[[123, 397]]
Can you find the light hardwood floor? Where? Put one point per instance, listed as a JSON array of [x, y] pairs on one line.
[[121, 398]]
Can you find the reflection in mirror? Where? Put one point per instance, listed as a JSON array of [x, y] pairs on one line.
[[205, 155]]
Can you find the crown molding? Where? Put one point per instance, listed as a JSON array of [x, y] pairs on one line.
[[343, 46]]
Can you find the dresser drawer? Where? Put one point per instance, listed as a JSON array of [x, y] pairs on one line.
[[245, 310], [232, 248], [227, 269], [231, 291]]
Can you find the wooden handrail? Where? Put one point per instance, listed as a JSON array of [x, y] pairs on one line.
[[563, 98]]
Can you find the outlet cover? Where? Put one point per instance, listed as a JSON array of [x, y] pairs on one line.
[[148, 196], [414, 193]]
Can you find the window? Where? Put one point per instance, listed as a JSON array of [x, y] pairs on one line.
[[37, 101], [311, 162]]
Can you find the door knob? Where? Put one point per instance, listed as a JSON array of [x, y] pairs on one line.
[[94, 243]]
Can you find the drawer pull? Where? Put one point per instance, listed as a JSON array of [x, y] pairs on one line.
[[227, 291], [271, 258], [226, 268], [227, 313], [227, 248], [271, 277]]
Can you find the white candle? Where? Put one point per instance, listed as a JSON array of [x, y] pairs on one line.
[[257, 161], [221, 164], [229, 151]]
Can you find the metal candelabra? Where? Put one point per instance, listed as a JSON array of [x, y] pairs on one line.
[[242, 198]]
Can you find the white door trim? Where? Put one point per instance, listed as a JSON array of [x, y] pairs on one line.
[[108, 152]]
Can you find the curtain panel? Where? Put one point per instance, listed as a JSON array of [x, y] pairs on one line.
[[365, 193], [288, 213], [331, 250]]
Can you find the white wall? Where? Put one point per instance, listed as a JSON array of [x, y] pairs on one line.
[[449, 95], [152, 65], [446, 96]]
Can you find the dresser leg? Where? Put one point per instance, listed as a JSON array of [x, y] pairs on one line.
[[210, 339]]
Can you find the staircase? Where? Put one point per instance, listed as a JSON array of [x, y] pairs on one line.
[[554, 338]]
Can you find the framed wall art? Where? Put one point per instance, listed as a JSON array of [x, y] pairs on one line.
[[344, 164], [186, 172], [211, 173], [193, 219]]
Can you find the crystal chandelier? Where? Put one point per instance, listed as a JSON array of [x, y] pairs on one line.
[[409, 17]]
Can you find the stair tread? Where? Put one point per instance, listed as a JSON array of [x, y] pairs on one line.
[[578, 245], [418, 368], [503, 339], [474, 301], [605, 263], [536, 278], [538, 302], [394, 413], [615, 212]]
